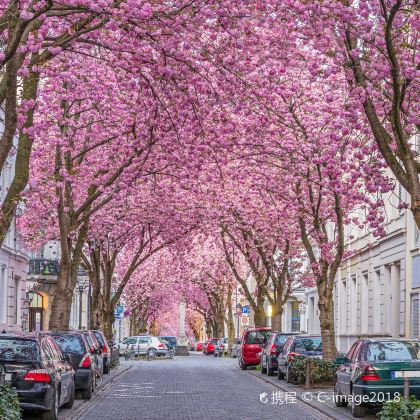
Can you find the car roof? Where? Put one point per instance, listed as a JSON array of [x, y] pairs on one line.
[[23, 335], [374, 340]]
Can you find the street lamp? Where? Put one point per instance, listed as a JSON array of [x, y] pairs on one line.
[[238, 314]]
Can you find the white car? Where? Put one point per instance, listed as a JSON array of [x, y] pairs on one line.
[[144, 344], [221, 348]]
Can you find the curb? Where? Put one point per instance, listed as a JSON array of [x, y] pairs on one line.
[[76, 413], [299, 397]]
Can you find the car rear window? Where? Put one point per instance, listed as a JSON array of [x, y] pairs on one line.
[[213, 341], [70, 343], [281, 339], [18, 349], [393, 351], [98, 336], [257, 337], [308, 344]]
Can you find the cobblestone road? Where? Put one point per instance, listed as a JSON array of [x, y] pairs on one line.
[[196, 387]]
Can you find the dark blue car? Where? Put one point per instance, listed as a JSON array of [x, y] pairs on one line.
[[271, 351]]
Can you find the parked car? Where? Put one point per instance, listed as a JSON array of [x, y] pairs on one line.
[[38, 371], [106, 350], [252, 341], [199, 346], [298, 345], [221, 347], [271, 351], [171, 340], [144, 344], [82, 359], [97, 353], [375, 369], [234, 351], [209, 346]]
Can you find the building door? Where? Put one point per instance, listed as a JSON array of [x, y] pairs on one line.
[[36, 312]]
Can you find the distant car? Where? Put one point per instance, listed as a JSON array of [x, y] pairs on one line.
[[106, 350], [253, 339], [234, 351], [81, 358], [209, 346], [144, 345], [221, 347], [299, 345], [199, 346], [374, 370], [39, 372], [271, 351]]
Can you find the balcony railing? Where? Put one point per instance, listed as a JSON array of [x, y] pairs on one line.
[[44, 266]]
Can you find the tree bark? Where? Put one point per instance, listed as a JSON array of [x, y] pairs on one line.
[[230, 321], [277, 316]]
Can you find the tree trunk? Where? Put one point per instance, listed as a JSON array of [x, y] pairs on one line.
[[277, 316], [61, 304], [259, 315], [230, 322], [326, 319], [108, 320], [208, 328]]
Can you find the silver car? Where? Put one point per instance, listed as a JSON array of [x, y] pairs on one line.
[[221, 348], [144, 345]]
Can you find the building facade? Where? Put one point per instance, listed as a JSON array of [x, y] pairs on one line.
[[377, 290]]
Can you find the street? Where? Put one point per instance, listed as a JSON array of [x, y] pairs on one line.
[[194, 387]]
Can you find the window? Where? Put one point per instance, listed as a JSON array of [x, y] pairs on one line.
[[415, 315], [18, 349], [3, 295], [70, 343], [393, 351], [16, 302], [131, 340], [295, 316], [257, 337], [417, 237]]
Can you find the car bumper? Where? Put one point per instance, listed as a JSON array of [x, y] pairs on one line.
[[376, 394], [40, 397], [83, 379]]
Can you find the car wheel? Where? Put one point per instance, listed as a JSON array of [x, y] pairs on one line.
[[263, 368], [339, 399], [87, 393], [215, 354], [357, 410], [270, 371], [243, 365], [106, 369], [53, 413], [280, 374], [70, 402]]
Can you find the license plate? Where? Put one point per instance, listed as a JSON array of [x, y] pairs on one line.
[[406, 374], [8, 377]]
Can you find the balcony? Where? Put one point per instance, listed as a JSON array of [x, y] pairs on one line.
[[44, 267]]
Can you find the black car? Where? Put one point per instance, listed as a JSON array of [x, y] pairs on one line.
[[97, 351], [39, 371], [298, 345], [82, 359], [271, 351], [106, 350]]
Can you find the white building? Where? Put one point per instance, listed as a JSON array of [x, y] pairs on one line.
[[377, 290], [13, 264]]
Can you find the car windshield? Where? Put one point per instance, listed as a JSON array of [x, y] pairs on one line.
[[18, 349], [257, 337], [308, 344], [393, 351], [70, 343]]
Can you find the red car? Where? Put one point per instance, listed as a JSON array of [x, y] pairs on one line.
[[209, 346], [199, 347], [253, 341]]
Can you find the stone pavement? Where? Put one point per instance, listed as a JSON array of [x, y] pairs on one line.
[[195, 387]]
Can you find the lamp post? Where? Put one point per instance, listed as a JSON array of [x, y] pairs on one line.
[[238, 314], [82, 286]]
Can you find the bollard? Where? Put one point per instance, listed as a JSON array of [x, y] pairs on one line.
[[406, 388], [308, 374]]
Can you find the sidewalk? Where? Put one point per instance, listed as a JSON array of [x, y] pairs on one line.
[[81, 405], [320, 399]]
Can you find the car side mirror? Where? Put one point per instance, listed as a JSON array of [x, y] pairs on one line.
[[67, 357]]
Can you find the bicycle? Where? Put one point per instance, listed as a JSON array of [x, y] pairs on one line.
[[171, 352], [98, 379]]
